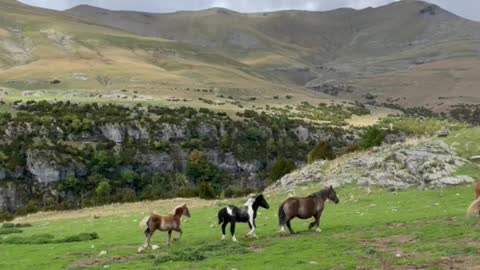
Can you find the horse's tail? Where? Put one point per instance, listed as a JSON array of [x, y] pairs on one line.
[[474, 209], [144, 222], [282, 216], [221, 215]]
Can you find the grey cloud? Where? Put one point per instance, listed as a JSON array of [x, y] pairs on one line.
[[465, 8]]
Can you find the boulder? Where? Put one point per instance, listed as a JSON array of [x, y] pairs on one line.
[[398, 166], [444, 132]]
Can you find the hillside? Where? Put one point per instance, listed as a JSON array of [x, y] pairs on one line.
[[49, 54], [409, 49]]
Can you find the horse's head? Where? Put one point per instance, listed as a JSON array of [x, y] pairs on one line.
[[186, 212], [332, 195], [181, 210], [260, 201]]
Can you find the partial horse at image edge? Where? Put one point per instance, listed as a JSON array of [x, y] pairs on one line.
[[474, 208]]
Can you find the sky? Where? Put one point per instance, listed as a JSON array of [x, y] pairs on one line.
[[466, 8]]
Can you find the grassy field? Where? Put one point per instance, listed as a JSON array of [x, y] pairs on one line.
[[369, 229]]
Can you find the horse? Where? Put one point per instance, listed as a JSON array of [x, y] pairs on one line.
[[304, 208], [474, 208], [477, 190], [168, 223], [246, 214]]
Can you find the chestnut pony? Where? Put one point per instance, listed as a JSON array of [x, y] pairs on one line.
[[166, 223], [474, 209], [303, 208]]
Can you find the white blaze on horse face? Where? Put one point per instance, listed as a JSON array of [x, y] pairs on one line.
[[229, 211]]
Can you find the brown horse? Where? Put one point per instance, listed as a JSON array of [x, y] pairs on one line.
[[474, 208], [477, 190], [304, 208], [166, 223]]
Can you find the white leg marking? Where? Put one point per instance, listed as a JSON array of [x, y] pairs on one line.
[[223, 237], [318, 229], [234, 239]]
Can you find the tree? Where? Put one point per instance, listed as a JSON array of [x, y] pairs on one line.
[[372, 137], [103, 191], [281, 168], [200, 170], [321, 151]]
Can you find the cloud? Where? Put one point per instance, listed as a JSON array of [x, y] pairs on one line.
[[465, 8]]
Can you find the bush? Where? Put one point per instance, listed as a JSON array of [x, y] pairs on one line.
[[322, 151], [16, 225], [30, 208], [4, 231], [236, 191], [4, 216], [206, 191], [39, 239], [281, 168], [372, 137], [187, 192]]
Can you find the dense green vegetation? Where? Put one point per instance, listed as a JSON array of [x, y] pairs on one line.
[[100, 151], [335, 114]]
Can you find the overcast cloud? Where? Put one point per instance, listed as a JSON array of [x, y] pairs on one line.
[[465, 8]]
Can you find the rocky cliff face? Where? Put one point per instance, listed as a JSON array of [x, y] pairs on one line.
[[424, 164], [61, 146]]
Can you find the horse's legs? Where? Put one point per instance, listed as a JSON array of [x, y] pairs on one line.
[[224, 225], [232, 231], [315, 224], [289, 226], [148, 237], [169, 237], [180, 232], [253, 228]]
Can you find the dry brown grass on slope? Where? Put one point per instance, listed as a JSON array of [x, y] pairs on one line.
[[146, 207]]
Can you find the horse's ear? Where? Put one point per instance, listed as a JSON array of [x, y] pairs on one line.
[[331, 187]]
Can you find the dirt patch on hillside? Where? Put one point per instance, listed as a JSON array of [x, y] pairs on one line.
[[450, 263], [101, 261]]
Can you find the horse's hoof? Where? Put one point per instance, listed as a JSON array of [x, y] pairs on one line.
[[318, 230]]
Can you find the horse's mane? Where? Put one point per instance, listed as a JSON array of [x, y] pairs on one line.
[[319, 194], [176, 210]]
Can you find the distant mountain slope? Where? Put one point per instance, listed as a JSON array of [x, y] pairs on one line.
[[410, 50], [38, 46], [342, 46]]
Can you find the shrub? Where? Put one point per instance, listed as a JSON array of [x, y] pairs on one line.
[[5, 216], [187, 192], [79, 238], [206, 191], [16, 225], [236, 191], [281, 168], [372, 137], [4, 231], [322, 151]]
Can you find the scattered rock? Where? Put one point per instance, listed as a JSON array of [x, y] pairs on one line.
[[444, 132]]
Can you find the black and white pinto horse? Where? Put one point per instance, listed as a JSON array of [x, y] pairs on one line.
[[246, 214]]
